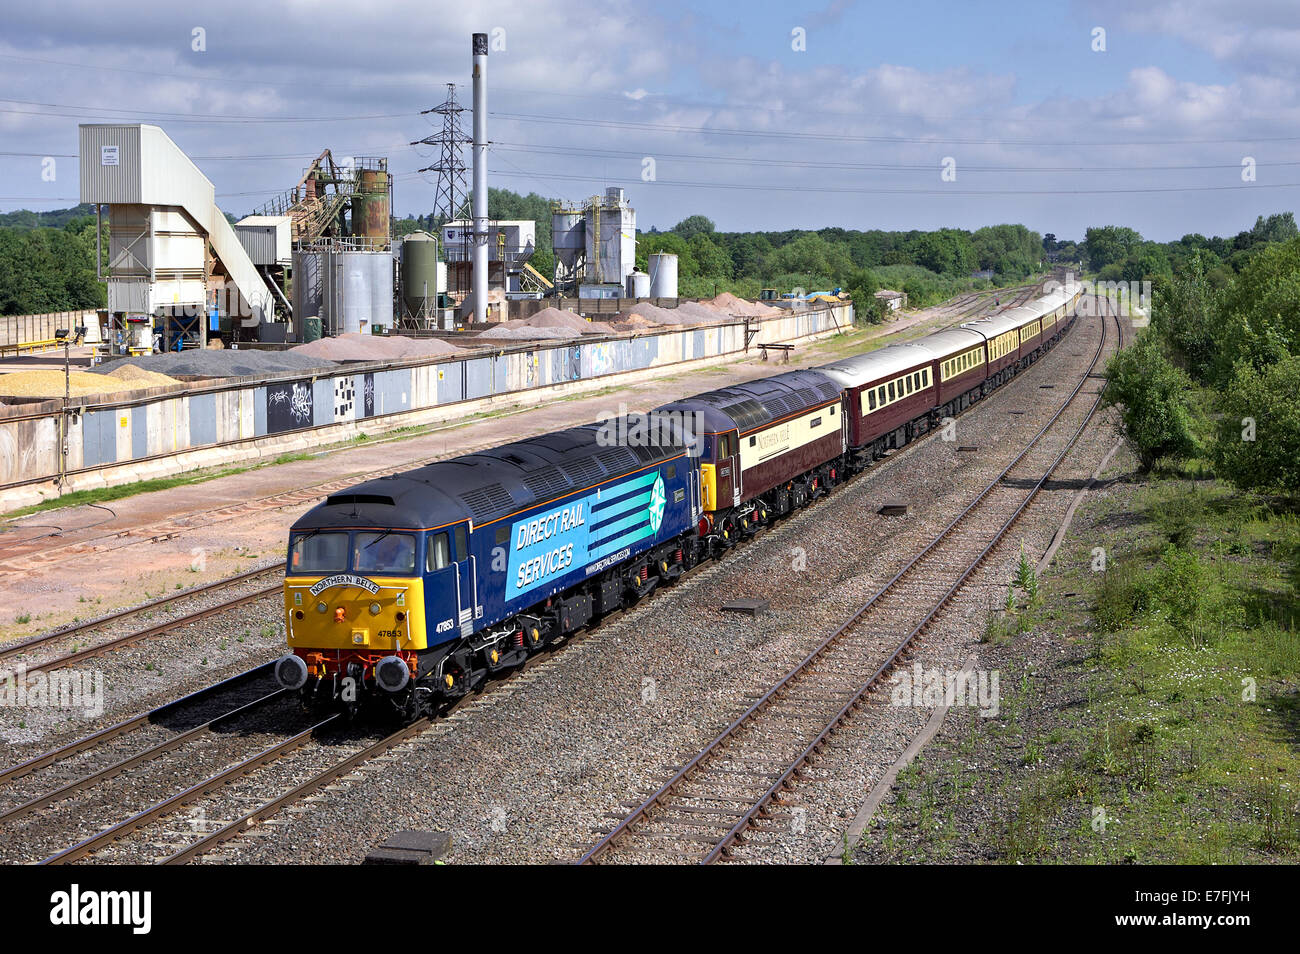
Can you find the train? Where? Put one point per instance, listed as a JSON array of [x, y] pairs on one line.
[[406, 592]]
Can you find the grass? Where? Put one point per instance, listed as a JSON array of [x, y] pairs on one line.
[[100, 495], [1195, 699], [1178, 740]]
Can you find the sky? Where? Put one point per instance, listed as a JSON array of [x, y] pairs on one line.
[[760, 114]]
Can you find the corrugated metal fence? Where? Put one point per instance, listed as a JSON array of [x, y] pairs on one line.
[[25, 329]]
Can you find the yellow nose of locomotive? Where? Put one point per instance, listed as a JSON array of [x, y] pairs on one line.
[[336, 613]]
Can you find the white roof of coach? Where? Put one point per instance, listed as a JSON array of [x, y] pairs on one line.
[[857, 370], [992, 326], [944, 344]]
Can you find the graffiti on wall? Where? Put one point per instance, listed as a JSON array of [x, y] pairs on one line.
[[288, 406]]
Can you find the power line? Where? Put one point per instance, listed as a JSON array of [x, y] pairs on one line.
[[196, 117], [863, 166], [955, 193], [832, 137]]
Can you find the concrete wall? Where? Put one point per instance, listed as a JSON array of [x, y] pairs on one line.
[[169, 430]]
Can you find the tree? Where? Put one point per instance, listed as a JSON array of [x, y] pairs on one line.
[[694, 225], [862, 287], [1262, 324], [749, 253], [1152, 396], [812, 255], [946, 251], [1185, 315], [1110, 244], [1012, 251], [1258, 445], [710, 260], [1276, 228], [670, 242]]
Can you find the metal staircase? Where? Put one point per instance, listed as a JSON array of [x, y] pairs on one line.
[[315, 210]]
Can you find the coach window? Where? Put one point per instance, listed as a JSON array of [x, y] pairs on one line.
[[871, 400], [891, 390], [439, 553]]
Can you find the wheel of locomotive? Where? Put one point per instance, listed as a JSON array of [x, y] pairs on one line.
[[534, 638]]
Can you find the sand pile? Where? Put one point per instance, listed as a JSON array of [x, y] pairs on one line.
[[547, 323], [559, 318], [633, 323], [654, 315], [50, 384], [699, 313], [729, 304], [139, 377], [359, 347]]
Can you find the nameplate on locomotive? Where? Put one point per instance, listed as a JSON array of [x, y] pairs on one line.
[[345, 579]]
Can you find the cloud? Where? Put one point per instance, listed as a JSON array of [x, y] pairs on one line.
[[1255, 36], [584, 89]]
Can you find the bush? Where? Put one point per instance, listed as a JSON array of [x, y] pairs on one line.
[[1179, 515], [1258, 445], [1122, 596], [1180, 588], [1152, 395]]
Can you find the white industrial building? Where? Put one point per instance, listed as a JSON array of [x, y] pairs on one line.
[[171, 250]]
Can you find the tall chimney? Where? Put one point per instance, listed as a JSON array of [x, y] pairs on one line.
[[480, 262]]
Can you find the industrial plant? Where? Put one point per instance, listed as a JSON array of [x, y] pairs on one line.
[[320, 259]]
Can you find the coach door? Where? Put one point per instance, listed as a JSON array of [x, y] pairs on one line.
[[727, 456]]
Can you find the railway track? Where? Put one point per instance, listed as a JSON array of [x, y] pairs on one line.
[[46, 797], [222, 786], [710, 804], [87, 631], [333, 756]]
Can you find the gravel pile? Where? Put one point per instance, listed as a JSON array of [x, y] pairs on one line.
[[222, 363], [359, 347]]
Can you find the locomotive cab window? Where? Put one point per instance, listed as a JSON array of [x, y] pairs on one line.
[[384, 552], [316, 552], [462, 550], [439, 557]]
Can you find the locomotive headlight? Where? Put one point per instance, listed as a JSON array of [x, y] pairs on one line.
[[321, 607], [375, 609]]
